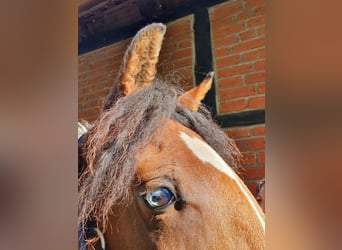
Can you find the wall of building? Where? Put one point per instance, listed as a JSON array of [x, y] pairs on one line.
[[238, 38], [238, 48]]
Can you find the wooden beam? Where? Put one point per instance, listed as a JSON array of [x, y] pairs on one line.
[[110, 33], [85, 5], [244, 118]]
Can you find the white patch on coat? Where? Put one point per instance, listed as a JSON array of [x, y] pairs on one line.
[[208, 155]]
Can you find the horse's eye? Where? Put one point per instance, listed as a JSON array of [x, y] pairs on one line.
[[159, 198]]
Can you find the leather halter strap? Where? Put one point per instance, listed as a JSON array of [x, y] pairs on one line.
[[89, 232]]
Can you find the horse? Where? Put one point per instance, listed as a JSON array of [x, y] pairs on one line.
[[159, 172], [82, 127], [260, 197]]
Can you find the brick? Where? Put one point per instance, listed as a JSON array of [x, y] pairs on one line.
[[180, 35], [230, 82], [81, 99], [115, 50], [82, 83], [226, 9], [230, 106], [83, 68], [232, 93], [176, 29], [236, 133], [235, 70], [91, 118], [82, 90], [92, 112], [235, 28], [82, 76], [98, 94], [248, 159], [178, 26], [261, 157], [163, 58], [109, 83], [256, 21], [259, 10], [252, 186], [254, 173], [179, 54], [243, 16], [260, 31], [259, 65], [256, 102], [219, 52], [225, 40], [255, 77], [228, 60], [95, 66], [253, 3], [182, 62], [80, 106], [185, 43], [96, 87], [250, 44], [97, 79], [254, 54], [95, 73], [221, 21], [259, 130], [82, 59], [117, 57], [261, 88], [97, 103], [81, 114], [113, 69], [250, 144], [246, 35]]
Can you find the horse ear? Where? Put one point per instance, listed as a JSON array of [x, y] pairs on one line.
[[139, 65], [194, 96]]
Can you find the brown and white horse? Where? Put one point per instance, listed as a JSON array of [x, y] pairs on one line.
[[159, 172]]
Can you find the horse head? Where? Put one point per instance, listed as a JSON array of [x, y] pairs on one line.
[[160, 173]]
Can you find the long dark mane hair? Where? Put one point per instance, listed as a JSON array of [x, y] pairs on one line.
[[113, 146]]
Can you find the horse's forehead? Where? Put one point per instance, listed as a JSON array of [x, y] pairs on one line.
[[207, 155], [198, 147]]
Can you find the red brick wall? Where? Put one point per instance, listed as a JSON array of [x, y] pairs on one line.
[[238, 38], [251, 142], [238, 44], [96, 73], [239, 48], [176, 55]]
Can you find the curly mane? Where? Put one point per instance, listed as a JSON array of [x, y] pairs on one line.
[[113, 146]]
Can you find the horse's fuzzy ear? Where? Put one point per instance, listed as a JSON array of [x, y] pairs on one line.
[[139, 65], [138, 68], [194, 96]]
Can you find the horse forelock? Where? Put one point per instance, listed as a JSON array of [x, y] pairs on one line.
[[120, 135]]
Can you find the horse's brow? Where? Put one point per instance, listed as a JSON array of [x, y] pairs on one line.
[[206, 154]]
